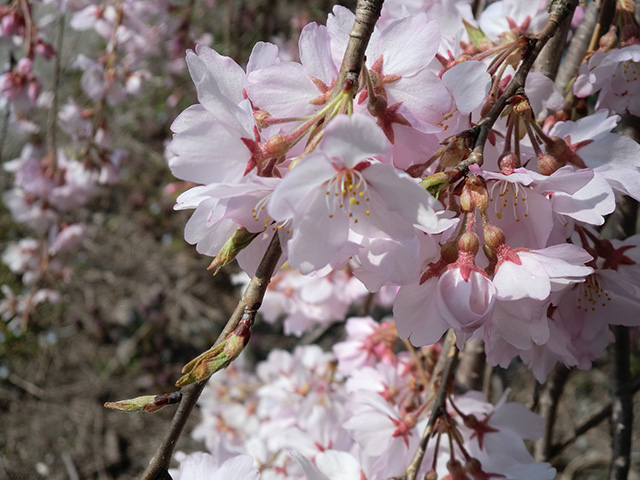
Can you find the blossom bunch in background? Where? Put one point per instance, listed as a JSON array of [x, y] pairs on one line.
[[63, 166], [327, 415]]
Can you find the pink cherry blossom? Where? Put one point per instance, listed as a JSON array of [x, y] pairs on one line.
[[202, 466], [614, 76], [339, 188]]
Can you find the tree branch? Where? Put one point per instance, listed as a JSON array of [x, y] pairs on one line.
[[622, 405], [446, 364], [549, 408], [252, 298], [559, 10], [367, 14], [592, 422], [549, 60], [52, 127], [577, 48]]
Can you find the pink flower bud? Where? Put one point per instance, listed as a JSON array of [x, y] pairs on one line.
[[45, 49], [508, 162]]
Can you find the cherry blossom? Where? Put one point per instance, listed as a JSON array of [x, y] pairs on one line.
[[340, 188], [614, 76]]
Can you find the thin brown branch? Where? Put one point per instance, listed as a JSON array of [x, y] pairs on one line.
[[549, 400], [477, 7], [367, 14], [594, 421], [577, 47], [559, 10], [252, 298], [622, 404], [52, 128], [549, 59], [446, 365], [607, 12]]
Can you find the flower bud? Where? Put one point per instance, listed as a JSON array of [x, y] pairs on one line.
[[609, 40], [521, 106], [262, 118], [548, 164], [494, 237], [456, 471], [277, 146], [377, 105], [508, 162], [469, 243], [474, 195]]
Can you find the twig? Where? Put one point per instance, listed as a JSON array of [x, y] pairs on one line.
[[622, 405], [417, 361], [549, 59], [558, 11], [477, 7], [607, 11], [367, 14], [252, 298], [548, 409], [72, 471], [446, 364], [592, 422], [28, 387], [52, 129], [577, 47]]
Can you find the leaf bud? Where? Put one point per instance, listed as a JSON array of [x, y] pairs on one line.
[[457, 148], [146, 403], [240, 240]]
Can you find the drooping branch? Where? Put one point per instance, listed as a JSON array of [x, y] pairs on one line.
[[442, 373], [252, 299], [548, 409], [52, 128], [622, 404], [577, 47], [559, 10], [366, 16], [594, 421]]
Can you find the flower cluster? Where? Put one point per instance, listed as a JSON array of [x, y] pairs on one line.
[[395, 179], [498, 246], [356, 414]]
